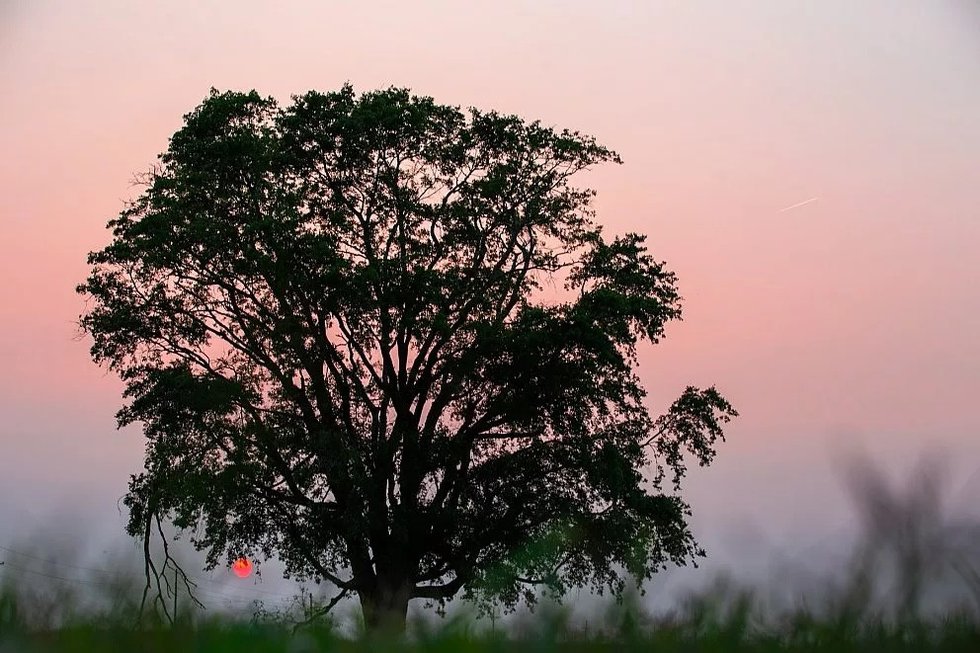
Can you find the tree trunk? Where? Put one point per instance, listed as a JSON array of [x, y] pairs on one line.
[[385, 608]]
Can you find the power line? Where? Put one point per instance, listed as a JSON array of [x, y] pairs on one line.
[[197, 580], [198, 590], [229, 601], [6, 564]]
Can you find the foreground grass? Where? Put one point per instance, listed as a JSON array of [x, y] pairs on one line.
[[724, 618], [734, 635], [269, 640]]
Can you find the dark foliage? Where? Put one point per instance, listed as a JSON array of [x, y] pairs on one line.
[[324, 317]]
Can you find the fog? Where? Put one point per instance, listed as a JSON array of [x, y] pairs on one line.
[[892, 540]]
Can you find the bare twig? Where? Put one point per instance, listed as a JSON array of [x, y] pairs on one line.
[[158, 577]]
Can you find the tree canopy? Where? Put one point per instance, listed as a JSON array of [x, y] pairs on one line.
[[333, 324]]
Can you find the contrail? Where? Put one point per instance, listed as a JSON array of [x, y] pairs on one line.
[[798, 204]]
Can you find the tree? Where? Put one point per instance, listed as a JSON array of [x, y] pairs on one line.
[[328, 320]]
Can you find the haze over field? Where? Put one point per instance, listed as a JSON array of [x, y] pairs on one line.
[[810, 172]]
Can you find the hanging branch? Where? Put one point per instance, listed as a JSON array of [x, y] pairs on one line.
[[154, 576]]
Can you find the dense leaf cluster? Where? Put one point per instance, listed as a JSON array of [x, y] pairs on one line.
[[330, 321]]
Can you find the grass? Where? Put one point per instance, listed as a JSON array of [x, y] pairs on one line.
[[952, 636], [706, 624]]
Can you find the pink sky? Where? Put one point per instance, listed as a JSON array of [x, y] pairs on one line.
[[853, 318]]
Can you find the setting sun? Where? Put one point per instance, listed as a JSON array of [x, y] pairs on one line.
[[242, 567]]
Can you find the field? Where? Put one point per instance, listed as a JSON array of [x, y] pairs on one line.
[[805, 635], [707, 624]]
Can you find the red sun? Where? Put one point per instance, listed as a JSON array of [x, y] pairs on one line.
[[242, 567]]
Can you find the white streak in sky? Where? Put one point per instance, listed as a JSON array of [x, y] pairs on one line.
[[798, 204]]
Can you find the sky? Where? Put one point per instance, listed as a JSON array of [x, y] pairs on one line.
[[846, 323]]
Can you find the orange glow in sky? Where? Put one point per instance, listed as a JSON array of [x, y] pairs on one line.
[[242, 567]]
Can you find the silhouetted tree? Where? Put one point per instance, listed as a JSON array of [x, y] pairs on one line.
[[323, 316]]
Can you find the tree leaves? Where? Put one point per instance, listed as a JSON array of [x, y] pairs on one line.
[[324, 314]]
